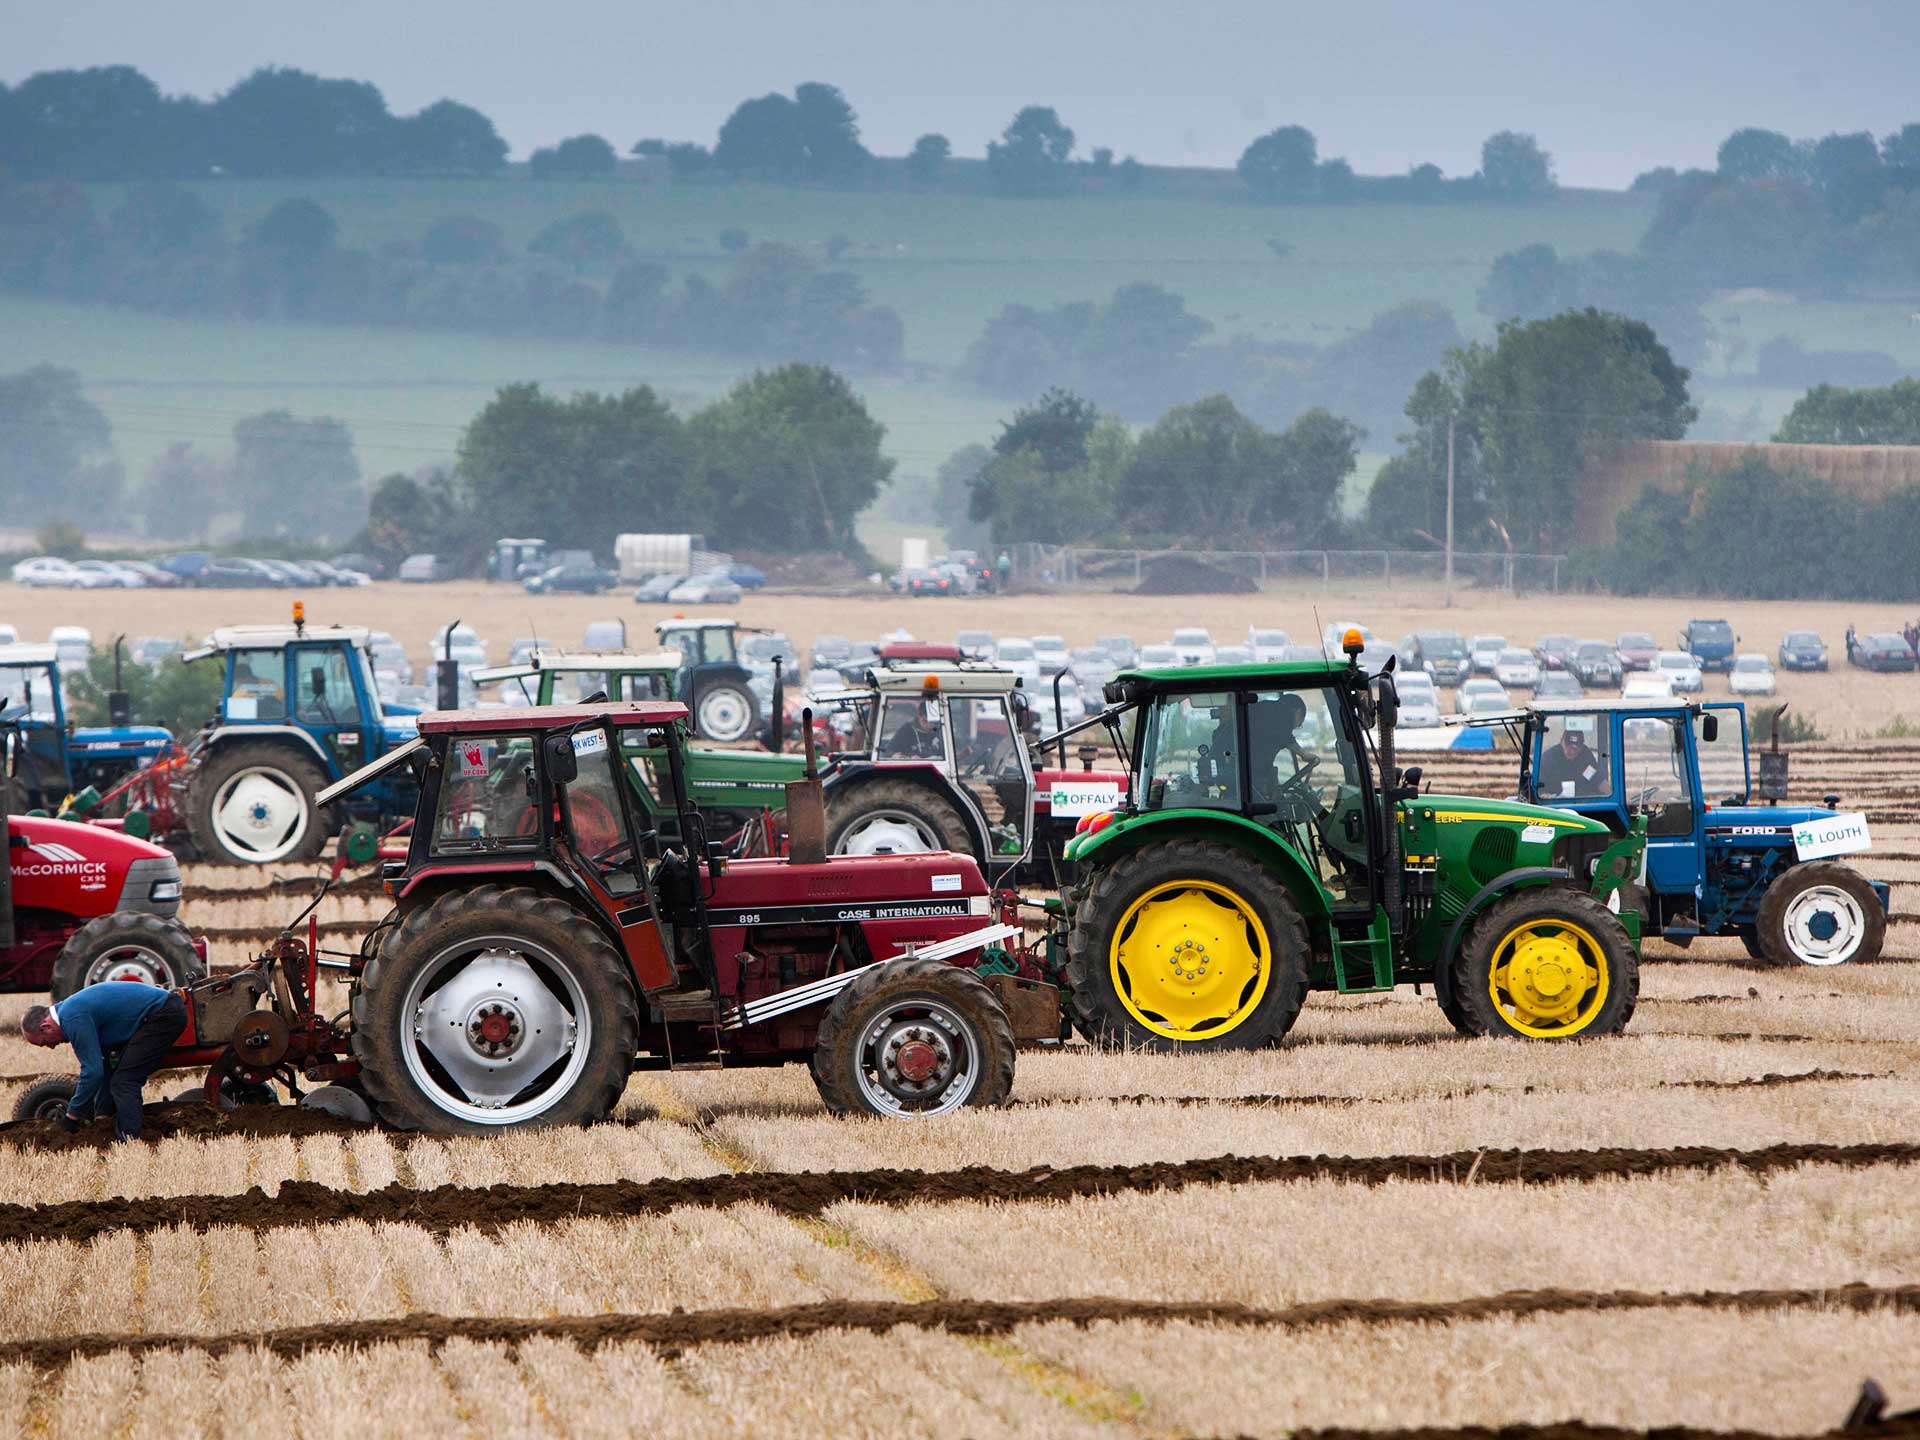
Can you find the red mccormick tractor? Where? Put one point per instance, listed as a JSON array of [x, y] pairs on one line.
[[545, 943], [82, 903]]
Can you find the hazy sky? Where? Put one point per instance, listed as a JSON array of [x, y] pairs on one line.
[[1610, 88]]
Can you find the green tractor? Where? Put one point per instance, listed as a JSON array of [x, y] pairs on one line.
[[1270, 846]]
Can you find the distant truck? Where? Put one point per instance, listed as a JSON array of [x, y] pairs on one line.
[[1711, 642], [639, 556]]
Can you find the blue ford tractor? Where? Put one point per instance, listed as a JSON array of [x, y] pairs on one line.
[[298, 711], [55, 762], [1721, 860]]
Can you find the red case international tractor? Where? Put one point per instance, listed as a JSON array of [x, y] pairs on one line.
[[543, 946]]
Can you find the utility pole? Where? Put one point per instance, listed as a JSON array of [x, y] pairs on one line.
[[1447, 602]]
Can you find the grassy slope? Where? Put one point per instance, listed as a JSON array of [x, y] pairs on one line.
[[946, 260]]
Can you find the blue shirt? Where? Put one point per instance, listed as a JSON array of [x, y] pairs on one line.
[[98, 1019]]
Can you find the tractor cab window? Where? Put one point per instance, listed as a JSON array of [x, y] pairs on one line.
[[987, 753], [1192, 753], [910, 728], [1723, 759], [259, 690], [1574, 758], [571, 687], [486, 796], [1307, 783], [31, 686], [1653, 752], [325, 687], [591, 805], [641, 685]]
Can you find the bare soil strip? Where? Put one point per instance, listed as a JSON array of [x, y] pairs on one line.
[[678, 1328], [449, 1207]]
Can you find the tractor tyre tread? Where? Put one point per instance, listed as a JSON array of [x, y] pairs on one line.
[[1545, 902], [846, 804], [44, 1094], [164, 935], [1770, 921], [1095, 1007], [414, 939], [838, 1039], [210, 773]]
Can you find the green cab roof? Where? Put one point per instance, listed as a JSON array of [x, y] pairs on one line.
[[1231, 676]]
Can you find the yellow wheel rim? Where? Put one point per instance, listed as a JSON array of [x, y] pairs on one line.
[[1548, 978], [1189, 960]]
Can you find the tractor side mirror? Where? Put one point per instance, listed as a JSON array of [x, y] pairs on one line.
[[562, 766], [1710, 728], [317, 682]]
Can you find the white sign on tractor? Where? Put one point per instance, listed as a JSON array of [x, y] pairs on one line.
[[1830, 835], [1073, 798]]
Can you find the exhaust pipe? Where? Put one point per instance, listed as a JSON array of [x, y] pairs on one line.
[[1393, 886], [807, 807]]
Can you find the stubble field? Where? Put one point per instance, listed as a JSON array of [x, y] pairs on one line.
[[1703, 1223]]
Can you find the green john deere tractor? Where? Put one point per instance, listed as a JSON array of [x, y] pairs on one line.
[[1270, 846]]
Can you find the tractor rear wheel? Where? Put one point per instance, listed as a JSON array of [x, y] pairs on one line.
[[127, 946], [1547, 963], [45, 1099], [913, 1039], [494, 1007], [1820, 913], [893, 817], [724, 711], [253, 805], [1186, 944]]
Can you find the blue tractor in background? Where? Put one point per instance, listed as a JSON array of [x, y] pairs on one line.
[[1719, 860], [57, 763], [298, 711]]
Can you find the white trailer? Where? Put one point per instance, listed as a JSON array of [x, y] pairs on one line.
[[639, 555]]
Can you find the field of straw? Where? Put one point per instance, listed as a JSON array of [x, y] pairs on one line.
[[1705, 1223]]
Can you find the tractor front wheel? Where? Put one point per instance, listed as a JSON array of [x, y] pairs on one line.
[[490, 1008], [127, 946], [913, 1039], [1820, 913], [253, 805], [1187, 944], [1546, 963]]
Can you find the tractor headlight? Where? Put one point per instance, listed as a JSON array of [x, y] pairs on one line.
[[164, 890]]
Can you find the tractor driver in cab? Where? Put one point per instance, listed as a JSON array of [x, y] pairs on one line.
[[1273, 724], [1570, 766], [917, 735]]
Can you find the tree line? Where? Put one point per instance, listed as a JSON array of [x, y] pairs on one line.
[[163, 247]]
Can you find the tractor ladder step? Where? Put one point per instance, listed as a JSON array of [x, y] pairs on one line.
[[686, 1005]]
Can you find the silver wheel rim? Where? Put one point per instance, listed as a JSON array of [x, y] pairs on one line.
[[131, 962], [260, 814], [496, 1030], [725, 715], [888, 832], [1810, 912], [891, 1037]]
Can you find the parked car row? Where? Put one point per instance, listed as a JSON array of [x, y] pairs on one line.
[[191, 567]]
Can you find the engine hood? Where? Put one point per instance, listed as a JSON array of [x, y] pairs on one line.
[[1765, 817], [1447, 810]]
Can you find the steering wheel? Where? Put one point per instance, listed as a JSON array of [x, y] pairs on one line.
[[985, 759], [1297, 789]]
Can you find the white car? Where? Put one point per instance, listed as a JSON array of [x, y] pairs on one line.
[[1647, 685], [1052, 653], [1269, 646], [1157, 657], [1751, 675], [976, 644], [50, 570], [72, 647], [1681, 670], [1478, 686], [1017, 654], [1517, 668], [1419, 703], [1194, 646], [106, 575], [710, 589], [1484, 652], [1485, 704], [1331, 637], [465, 646]]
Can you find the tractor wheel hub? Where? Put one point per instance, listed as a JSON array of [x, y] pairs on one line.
[[495, 1028], [917, 1060]]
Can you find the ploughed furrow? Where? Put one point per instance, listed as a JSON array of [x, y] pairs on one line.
[[678, 1328], [806, 1193]]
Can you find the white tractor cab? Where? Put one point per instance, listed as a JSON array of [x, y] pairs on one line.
[[569, 677], [939, 756]]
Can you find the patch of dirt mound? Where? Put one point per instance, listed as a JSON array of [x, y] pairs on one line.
[[1184, 575], [164, 1120]]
